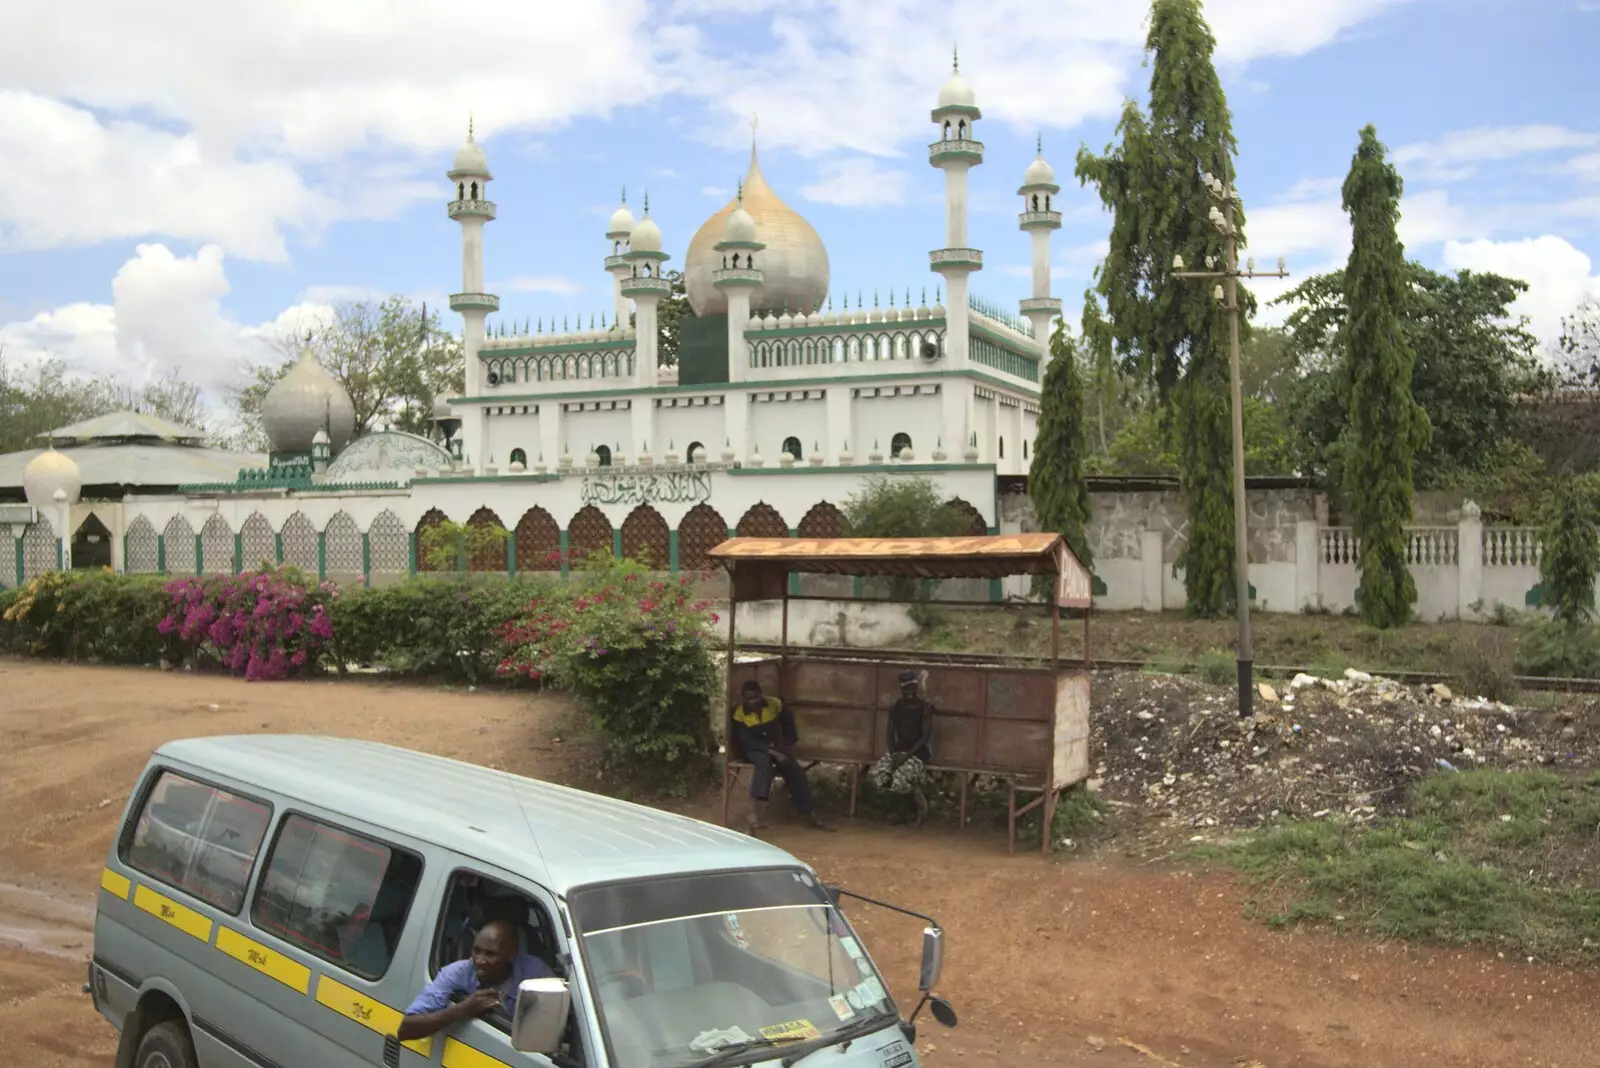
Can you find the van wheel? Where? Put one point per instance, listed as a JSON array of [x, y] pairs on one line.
[[166, 1045]]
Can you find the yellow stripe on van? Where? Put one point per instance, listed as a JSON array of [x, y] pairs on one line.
[[355, 1005], [164, 908], [274, 965], [460, 1055], [115, 883]]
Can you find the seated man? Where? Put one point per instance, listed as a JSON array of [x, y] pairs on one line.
[[764, 736], [471, 988], [903, 768]]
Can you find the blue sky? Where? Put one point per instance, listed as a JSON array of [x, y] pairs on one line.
[[180, 184]]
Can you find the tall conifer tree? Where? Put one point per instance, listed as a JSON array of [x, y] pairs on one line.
[[1388, 426], [1168, 330], [1055, 478]]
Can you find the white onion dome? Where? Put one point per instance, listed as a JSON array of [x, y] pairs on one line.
[[298, 405], [1039, 172], [794, 264], [956, 93], [621, 223], [470, 159], [441, 407], [741, 226], [48, 472], [646, 236]]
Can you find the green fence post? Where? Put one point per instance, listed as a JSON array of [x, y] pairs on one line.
[[794, 576], [161, 554], [18, 542], [672, 551], [277, 547], [238, 554], [322, 557], [199, 551], [566, 565], [511, 557], [366, 560], [616, 543], [411, 553]]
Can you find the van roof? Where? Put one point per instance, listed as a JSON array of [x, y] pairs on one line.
[[560, 837]]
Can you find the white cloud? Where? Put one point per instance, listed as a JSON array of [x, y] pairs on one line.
[[857, 182], [715, 191], [165, 316], [1559, 276], [545, 284], [1456, 155]]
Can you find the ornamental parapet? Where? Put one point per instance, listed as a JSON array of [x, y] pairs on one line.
[[483, 209], [956, 259], [474, 302], [968, 151], [1040, 220]]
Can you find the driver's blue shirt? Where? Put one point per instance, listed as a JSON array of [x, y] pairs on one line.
[[459, 980]]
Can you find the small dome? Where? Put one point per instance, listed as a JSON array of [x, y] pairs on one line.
[[621, 220], [646, 236], [956, 93], [301, 402], [1039, 172], [741, 226], [470, 158], [48, 472], [441, 408]]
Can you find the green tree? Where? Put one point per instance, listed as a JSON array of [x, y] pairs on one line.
[[1571, 552], [894, 507], [44, 397], [1147, 446], [1167, 330], [450, 546], [392, 358], [1055, 478], [1474, 360], [1388, 427]]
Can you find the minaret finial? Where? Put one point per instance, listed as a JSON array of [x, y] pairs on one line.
[[1039, 144], [647, 202], [624, 193], [469, 126], [755, 120], [955, 57], [741, 192]]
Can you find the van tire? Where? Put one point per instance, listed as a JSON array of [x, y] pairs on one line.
[[166, 1045]]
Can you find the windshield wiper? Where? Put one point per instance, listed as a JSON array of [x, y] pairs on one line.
[[727, 1053], [842, 1036]]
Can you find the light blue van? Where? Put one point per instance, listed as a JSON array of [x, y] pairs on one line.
[[278, 901]]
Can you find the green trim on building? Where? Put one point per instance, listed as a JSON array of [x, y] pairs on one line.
[[238, 553], [411, 552], [858, 469], [161, 554], [322, 557], [672, 551], [845, 330], [443, 479], [366, 560], [616, 543], [18, 542], [562, 545], [277, 547], [511, 556], [199, 553], [750, 386]]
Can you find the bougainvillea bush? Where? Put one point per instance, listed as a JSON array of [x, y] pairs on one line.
[[638, 654], [270, 624]]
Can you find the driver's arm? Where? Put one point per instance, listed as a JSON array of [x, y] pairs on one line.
[[432, 1011]]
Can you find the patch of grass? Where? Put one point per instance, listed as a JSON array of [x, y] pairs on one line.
[[1166, 662], [1217, 666], [1496, 857]]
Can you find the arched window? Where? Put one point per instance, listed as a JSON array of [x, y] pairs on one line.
[[1002, 448], [474, 190], [616, 248], [1036, 202], [519, 457], [793, 447], [946, 130], [1047, 202], [898, 444], [604, 452], [961, 134], [735, 260], [461, 190], [695, 447]]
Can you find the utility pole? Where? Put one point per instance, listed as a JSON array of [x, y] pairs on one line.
[[1227, 291]]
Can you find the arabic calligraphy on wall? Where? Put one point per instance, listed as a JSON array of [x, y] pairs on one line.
[[671, 487]]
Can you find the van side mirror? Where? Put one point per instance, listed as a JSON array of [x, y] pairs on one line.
[[932, 958], [541, 1015], [833, 894]]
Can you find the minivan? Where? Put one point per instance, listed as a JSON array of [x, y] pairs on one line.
[[277, 900]]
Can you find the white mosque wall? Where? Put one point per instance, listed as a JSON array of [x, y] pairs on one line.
[[583, 430], [679, 424], [899, 410], [777, 415]]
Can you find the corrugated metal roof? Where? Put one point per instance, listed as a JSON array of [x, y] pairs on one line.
[[559, 837], [138, 465], [126, 425]]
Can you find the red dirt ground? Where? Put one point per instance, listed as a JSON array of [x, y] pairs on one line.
[[1047, 960]]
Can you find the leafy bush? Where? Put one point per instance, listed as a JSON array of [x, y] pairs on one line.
[[435, 627], [1552, 649], [638, 656], [264, 625], [1218, 667], [86, 615], [900, 507], [1485, 667]]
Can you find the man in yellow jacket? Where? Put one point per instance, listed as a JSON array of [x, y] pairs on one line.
[[764, 736]]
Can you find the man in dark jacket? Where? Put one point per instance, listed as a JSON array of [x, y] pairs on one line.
[[764, 736], [909, 747]]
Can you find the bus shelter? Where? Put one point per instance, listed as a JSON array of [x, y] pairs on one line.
[[1023, 721]]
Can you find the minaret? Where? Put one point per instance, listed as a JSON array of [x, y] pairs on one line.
[[1039, 217], [472, 208], [739, 277], [957, 151], [618, 234], [646, 288]]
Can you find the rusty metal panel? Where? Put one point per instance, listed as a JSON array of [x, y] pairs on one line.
[[1071, 744], [1017, 745], [766, 672], [956, 688], [1013, 694], [1074, 587], [759, 581], [834, 733], [850, 683], [955, 739]]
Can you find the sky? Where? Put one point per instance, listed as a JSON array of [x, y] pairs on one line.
[[181, 183]]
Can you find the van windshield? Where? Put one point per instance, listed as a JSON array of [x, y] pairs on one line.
[[686, 966]]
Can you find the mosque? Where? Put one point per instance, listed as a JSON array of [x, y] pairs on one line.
[[777, 408]]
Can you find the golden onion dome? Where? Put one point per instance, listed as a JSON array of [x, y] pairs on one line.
[[794, 265]]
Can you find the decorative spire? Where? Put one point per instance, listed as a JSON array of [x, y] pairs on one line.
[[469, 129], [1039, 144], [624, 194], [647, 202], [955, 57], [740, 194], [755, 121]]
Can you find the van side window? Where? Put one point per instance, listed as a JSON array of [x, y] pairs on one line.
[[337, 894], [197, 838]]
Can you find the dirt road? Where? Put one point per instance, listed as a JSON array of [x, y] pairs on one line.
[[1047, 960]]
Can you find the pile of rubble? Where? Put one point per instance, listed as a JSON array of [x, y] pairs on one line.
[[1177, 749]]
